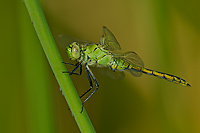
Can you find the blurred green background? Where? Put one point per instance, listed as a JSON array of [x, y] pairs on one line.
[[166, 35]]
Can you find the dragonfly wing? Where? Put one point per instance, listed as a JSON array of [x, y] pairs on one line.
[[135, 73], [133, 59], [65, 40], [116, 75], [108, 40], [108, 72]]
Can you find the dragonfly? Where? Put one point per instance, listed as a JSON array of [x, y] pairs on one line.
[[106, 54]]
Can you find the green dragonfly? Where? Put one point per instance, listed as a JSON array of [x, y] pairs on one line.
[[105, 54]]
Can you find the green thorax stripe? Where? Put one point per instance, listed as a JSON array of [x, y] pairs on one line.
[[95, 54]]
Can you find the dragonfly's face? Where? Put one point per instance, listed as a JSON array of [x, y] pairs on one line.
[[73, 51]]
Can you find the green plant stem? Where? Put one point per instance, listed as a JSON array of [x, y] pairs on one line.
[[54, 58]]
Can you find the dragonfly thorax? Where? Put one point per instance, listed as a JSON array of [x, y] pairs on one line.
[[73, 51]]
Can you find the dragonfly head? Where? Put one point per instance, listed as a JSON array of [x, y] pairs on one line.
[[73, 51]]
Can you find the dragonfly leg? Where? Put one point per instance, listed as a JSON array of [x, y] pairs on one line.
[[90, 81], [73, 71], [89, 73], [70, 63]]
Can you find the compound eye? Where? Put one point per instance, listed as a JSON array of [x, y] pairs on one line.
[[75, 51]]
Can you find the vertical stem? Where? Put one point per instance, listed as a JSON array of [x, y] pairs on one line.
[[55, 61]]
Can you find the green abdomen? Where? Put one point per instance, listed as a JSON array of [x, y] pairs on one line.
[[120, 64]]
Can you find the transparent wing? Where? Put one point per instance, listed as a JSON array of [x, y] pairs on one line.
[[133, 59], [108, 40], [65, 40], [108, 72]]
